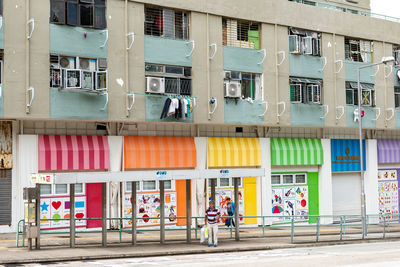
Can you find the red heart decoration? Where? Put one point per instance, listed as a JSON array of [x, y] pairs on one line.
[[55, 204], [79, 215]]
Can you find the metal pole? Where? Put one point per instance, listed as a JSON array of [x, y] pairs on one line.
[[236, 192], [318, 228], [292, 230], [363, 208], [37, 211], [134, 213], [188, 212], [213, 182], [162, 214], [72, 215], [104, 214]]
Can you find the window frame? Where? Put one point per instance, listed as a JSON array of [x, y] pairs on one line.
[[306, 42], [397, 94], [294, 179]]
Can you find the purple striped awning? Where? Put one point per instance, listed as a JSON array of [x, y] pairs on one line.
[[388, 151]]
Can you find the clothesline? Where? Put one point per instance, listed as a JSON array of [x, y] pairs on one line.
[[166, 95]]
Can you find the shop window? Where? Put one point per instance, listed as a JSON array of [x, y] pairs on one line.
[[367, 94], [358, 50], [149, 185], [242, 85], [304, 42], [300, 179], [166, 23], [289, 179], [167, 185], [275, 179], [173, 80], [78, 73], [45, 189], [128, 186], [84, 13], [239, 33], [61, 189], [306, 91], [397, 97], [79, 188], [224, 182]]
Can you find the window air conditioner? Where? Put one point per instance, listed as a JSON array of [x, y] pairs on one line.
[[233, 89], [84, 63], [155, 85]]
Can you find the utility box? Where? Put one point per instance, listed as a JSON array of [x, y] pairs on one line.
[[30, 213], [30, 231]]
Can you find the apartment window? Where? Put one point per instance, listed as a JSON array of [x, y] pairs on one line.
[[78, 73], [239, 33], [175, 80], [306, 91], [304, 42], [367, 94], [242, 85], [311, 3], [84, 13], [397, 97], [166, 23], [358, 50], [396, 54], [289, 179]]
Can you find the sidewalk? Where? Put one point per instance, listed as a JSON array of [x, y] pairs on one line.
[[55, 247]]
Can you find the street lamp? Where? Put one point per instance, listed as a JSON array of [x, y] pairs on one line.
[[385, 60]]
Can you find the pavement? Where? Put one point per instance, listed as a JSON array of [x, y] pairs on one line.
[[55, 247]]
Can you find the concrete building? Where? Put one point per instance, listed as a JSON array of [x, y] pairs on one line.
[[281, 75]]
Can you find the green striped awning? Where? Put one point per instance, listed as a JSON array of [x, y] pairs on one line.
[[294, 151]]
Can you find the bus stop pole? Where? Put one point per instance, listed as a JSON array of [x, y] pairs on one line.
[[213, 182], [133, 213], [236, 193], [162, 213], [104, 214], [72, 215], [188, 212]]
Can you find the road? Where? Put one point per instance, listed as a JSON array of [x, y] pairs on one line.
[[367, 254]]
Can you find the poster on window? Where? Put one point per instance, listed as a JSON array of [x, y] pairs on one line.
[[57, 208], [288, 202], [148, 209], [388, 190], [221, 196]]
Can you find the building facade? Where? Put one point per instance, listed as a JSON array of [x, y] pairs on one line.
[[104, 76]]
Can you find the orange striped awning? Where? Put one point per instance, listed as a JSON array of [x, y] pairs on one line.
[[155, 152]]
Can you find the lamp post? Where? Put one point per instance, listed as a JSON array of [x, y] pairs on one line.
[[385, 60]]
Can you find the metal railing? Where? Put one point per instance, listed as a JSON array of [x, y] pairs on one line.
[[336, 225]]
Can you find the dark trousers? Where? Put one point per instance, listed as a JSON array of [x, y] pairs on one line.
[[230, 220]]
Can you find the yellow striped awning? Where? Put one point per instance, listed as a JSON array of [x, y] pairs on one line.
[[233, 152]]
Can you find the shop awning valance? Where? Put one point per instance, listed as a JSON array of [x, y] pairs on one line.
[[73, 152], [156, 152], [293, 151], [233, 152], [388, 151]]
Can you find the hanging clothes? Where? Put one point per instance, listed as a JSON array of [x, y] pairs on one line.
[[173, 107], [165, 110]]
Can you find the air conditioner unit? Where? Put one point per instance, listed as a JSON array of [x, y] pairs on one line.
[[67, 62], [155, 85], [54, 61], [227, 75], [233, 89], [84, 63]]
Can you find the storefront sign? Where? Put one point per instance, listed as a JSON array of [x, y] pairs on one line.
[[224, 173], [346, 155], [161, 175], [388, 189], [39, 178]]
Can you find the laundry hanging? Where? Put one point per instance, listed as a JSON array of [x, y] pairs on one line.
[[180, 108]]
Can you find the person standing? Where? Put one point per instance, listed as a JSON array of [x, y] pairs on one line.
[[212, 219], [230, 208]]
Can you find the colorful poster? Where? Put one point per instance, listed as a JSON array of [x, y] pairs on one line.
[[148, 206], [388, 190], [221, 196], [59, 208], [290, 201]]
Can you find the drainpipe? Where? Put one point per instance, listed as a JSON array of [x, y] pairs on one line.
[[126, 63], [276, 73], [335, 77], [27, 56], [208, 68], [385, 85]]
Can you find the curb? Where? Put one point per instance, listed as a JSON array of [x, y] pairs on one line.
[[194, 251]]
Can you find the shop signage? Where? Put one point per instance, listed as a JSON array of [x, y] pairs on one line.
[[224, 173], [161, 175], [345, 155], [41, 178]]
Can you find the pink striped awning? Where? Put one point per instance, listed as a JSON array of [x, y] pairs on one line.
[[73, 152]]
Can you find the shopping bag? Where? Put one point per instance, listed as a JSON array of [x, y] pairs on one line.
[[203, 234]]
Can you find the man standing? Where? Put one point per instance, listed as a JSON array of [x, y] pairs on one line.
[[212, 218], [230, 208]]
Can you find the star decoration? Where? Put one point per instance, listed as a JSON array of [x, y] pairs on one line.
[[44, 206]]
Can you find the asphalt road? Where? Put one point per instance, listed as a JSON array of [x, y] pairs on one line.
[[367, 254]]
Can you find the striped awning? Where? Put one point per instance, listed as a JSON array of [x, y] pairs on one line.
[[388, 151], [293, 151], [155, 152], [233, 152], [73, 152]]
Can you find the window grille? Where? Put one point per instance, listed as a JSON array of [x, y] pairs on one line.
[[396, 54], [303, 90], [250, 83], [240, 33], [304, 42], [84, 13], [166, 23], [397, 97], [367, 94], [358, 50]]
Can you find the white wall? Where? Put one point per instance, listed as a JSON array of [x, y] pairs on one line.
[[115, 144], [198, 197], [264, 189], [325, 183], [371, 179]]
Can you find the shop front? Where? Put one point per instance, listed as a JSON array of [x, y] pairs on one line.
[[67, 153], [388, 179], [161, 154], [224, 153], [295, 178], [346, 180]]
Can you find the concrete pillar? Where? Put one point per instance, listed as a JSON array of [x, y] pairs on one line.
[[371, 180], [325, 184]]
